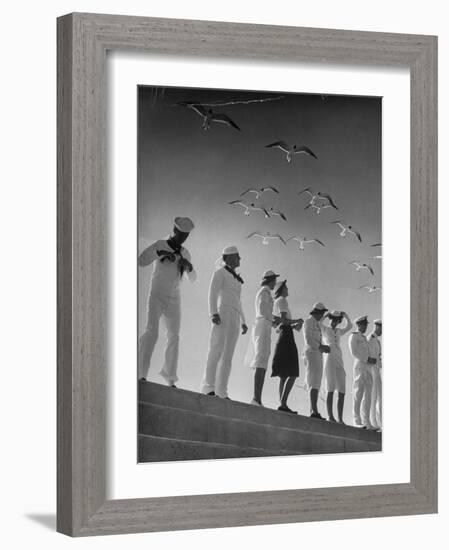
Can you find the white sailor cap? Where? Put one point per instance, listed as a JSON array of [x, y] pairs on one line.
[[185, 225], [361, 319], [378, 321], [269, 274], [319, 306], [230, 250]]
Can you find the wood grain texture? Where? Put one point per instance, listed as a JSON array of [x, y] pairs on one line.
[[83, 40]]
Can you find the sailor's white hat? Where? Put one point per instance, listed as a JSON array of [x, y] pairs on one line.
[[184, 224], [361, 319], [230, 250]]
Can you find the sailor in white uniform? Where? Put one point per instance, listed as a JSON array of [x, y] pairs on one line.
[[225, 310], [261, 334], [334, 371], [313, 355], [376, 372], [363, 380], [171, 262]]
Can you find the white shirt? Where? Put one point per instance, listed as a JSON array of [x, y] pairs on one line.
[[165, 279], [281, 306], [224, 291], [358, 344], [331, 336], [375, 348], [264, 304], [312, 334]]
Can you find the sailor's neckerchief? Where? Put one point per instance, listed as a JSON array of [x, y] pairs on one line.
[[233, 273], [177, 250]]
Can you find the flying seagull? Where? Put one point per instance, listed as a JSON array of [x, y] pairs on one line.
[[266, 236], [304, 240], [250, 207], [291, 150], [347, 229], [276, 212], [375, 257], [370, 289], [318, 200], [377, 244], [208, 115], [360, 266], [260, 191]]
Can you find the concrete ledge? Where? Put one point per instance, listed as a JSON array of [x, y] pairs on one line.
[[157, 394], [177, 424]]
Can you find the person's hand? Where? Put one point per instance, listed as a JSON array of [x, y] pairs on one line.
[[244, 328], [299, 324], [183, 263], [216, 320], [372, 360], [165, 255], [276, 321]]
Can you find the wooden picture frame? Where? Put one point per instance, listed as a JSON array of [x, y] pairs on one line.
[[83, 40]]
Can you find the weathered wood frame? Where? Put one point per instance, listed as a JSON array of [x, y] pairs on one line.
[[83, 40]]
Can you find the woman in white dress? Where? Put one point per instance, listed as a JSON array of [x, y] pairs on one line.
[[334, 371]]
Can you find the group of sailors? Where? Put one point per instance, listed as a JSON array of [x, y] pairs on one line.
[[322, 334]]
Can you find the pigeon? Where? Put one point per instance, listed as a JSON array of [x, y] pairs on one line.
[[274, 211], [347, 229], [291, 150], [360, 266], [266, 236], [208, 115], [318, 200], [259, 192], [250, 207], [370, 289], [304, 240]]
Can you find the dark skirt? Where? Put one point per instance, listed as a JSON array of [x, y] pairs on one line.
[[285, 358]]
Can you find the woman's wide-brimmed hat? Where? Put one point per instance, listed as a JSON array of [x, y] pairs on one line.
[[268, 276], [280, 287], [335, 314], [318, 308]]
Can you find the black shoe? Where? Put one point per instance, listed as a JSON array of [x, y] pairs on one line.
[[212, 393], [173, 386], [316, 415], [286, 409]]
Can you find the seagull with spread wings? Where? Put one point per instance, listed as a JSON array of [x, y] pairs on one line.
[[208, 115], [360, 266], [369, 288], [266, 237], [250, 207], [347, 229], [291, 150], [318, 200], [276, 212], [304, 240], [376, 244], [259, 192]]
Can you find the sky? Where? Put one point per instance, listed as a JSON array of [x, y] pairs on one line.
[[184, 170]]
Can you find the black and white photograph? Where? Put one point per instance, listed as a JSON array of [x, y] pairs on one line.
[[259, 273]]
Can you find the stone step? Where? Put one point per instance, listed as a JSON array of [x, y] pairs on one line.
[[179, 424], [162, 449], [157, 394]]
